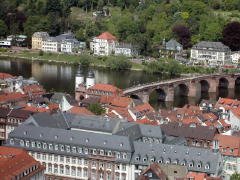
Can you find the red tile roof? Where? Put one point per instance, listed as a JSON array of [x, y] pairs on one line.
[[226, 101], [121, 101], [34, 109], [5, 75], [105, 87], [196, 176], [107, 36], [227, 143], [236, 112], [146, 107], [79, 110], [15, 161], [34, 89], [12, 96], [191, 120], [145, 120]]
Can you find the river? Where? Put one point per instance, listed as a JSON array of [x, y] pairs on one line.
[[61, 78]]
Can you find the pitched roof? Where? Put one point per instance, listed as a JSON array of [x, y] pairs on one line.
[[107, 36], [12, 96], [34, 89], [15, 161], [229, 142], [80, 110], [143, 108], [105, 87], [199, 132], [5, 76], [217, 46]]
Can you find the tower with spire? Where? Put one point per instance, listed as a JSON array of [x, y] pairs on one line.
[[79, 77], [90, 80]]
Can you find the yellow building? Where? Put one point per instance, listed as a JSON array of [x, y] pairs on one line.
[[37, 39]]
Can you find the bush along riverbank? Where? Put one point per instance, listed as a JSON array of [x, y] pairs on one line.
[[111, 62]]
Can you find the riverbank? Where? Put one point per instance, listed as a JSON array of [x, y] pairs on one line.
[[95, 61]]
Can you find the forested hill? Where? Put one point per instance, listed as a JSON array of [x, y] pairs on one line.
[[145, 23]]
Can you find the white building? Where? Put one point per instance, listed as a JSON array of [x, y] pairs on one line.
[[211, 53], [72, 45], [104, 45], [126, 50], [235, 56], [5, 43], [51, 44]]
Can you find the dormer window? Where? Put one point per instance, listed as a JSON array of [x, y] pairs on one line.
[[137, 158], [152, 159], [183, 163], [86, 151], [124, 155], [207, 166], [74, 149], [38, 145], [94, 151], [33, 144], [190, 164], [118, 155], [168, 161], [62, 147], [79, 150], [109, 153], [27, 143], [56, 147], [50, 146], [21, 142], [11, 141], [145, 159], [67, 148], [101, 152], [199, 165], [44, 146]]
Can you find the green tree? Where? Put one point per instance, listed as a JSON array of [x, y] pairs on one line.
[[3, 28], [96, 108], [235, 176], [85, 60], [119, 63]]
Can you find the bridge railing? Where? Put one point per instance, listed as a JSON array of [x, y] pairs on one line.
[[145, 85]]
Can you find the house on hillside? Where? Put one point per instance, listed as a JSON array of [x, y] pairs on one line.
[[37, 39], [103, 45], [211, 53], [127, 50]]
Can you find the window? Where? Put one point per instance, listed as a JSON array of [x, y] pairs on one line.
[[109, 153], [38, 156], [85, 173], [85, 162], [79, 150], [49, 168], [109, 166], [86, 151], [109, 176], [137, 158], [124, 167], [94, 151], [68, 160], [93, 164], [67, 170], [56, 147], [207, 166], [74, 149], [62, 170], [124, 155], [49, 157], [79, 172], [44, 157], [80, 161], [144, 159], [62, 147], [27, 143], [55, 158], [199, 165], [101, 152], [152, 159], [117, 166], [190, 164], [73, 160], [11, 141], [73, 172], [38, 145], [21, 142], [62, 159], [44, 146], [50, 146], [56, 169], [33, 144], [67, 148], [118, 155]]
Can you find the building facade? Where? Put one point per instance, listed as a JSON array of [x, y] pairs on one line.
[[103, 45], [37, 39], [18, 164], [88, 147], [126, 50], [211, 53]]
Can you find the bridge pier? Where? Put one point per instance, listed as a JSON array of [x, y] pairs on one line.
[[170, 94], [192, 90], [213, 85], [231, 83]]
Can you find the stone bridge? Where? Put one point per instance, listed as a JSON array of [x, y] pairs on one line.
[[186, 86]]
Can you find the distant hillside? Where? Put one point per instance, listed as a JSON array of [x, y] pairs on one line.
[[145, 23]]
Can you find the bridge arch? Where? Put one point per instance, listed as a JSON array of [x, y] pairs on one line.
[[160, 93], [204, 85], [181, 89], [135, 96], [223, 83], [237, 82]]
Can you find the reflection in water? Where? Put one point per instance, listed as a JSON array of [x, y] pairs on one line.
[[60, 77]]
